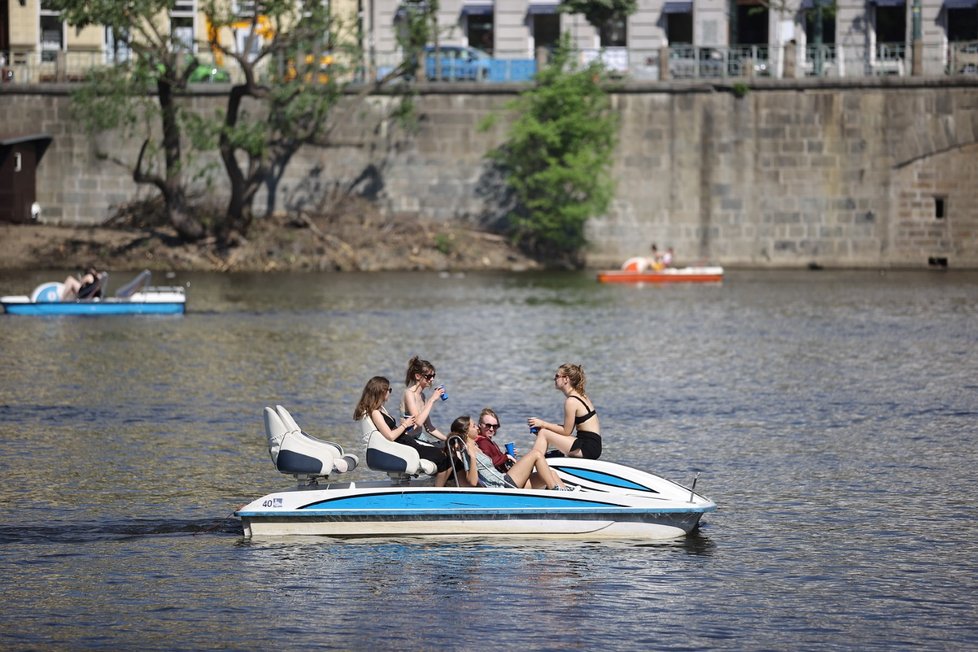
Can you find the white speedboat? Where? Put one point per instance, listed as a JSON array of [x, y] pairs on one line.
[[134, 298], [612, 501]]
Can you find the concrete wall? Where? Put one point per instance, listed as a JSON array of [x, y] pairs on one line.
[[836, 173]]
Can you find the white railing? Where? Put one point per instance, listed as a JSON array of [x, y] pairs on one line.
[[685, 62]]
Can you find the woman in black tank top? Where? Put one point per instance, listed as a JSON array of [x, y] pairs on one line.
[[579, 415]]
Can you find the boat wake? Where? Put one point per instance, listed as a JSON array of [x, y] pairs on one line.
[[65, 532]]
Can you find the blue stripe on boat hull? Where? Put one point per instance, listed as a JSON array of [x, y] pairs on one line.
[[41, 309]]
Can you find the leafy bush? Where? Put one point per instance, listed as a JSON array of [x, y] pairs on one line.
[[557, 158]]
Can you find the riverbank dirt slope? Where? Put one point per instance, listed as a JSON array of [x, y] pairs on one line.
[[352, 238]]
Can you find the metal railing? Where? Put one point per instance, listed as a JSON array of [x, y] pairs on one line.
[[682, 62]]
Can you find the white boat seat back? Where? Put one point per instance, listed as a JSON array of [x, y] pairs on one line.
[[275, 431], [292, 425], [296, 453], [395, 459], [342, 463]]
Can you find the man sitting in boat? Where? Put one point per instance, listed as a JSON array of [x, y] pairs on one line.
[[89, 286]]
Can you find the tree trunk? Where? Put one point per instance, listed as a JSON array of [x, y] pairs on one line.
[[186, 224]]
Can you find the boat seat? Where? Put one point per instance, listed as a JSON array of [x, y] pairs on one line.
[[348, 459], [396, 460], [298, 454]]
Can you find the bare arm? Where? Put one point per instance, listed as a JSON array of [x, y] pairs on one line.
[[381, 425], [472, 475], [567, 429], [422, 410]]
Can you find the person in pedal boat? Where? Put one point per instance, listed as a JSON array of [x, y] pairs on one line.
[[420, 376], [87, 286], [488, 428], [372, 415], [530, 472], [579, 415]]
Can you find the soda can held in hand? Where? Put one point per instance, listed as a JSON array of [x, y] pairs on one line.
[[444, 392], [511, 449]]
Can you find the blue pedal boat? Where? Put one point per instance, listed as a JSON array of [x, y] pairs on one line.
[[134, 298], [611, 501]]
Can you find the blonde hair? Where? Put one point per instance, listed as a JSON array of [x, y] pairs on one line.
[[575, 374], [488, 411]]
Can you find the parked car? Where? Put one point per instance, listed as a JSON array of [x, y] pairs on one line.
[[457, 62]]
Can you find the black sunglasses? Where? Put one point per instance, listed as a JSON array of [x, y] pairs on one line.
[[494, 426], [428, 376]]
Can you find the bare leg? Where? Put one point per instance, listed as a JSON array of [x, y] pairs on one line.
[[523, 472], [442, 478], [563, 443], [70, 289]]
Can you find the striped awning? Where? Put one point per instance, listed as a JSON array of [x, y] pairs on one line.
[[677, 7], [537, 8], [478, 8]]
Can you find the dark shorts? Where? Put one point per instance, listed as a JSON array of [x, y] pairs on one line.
[[589, 443], [426, 452]]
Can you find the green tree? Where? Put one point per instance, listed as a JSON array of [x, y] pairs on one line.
[[294, 66], [557, 158], [118, 96], [600, 12]]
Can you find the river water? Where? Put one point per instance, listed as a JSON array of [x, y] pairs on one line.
[[831, 415]]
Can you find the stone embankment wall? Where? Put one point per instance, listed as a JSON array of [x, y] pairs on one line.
[[875, 173]]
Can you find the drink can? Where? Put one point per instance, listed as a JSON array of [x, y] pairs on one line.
[[511, 449]]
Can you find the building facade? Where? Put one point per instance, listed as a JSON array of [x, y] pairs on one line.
[[663, 39]]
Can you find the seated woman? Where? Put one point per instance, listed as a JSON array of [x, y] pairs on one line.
[[579, 414], [420, 376], [530, 472], [372, 415], [89, 286]]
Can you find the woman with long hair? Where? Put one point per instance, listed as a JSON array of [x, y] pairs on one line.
[[579, 415], [373, 416], [419, 377]]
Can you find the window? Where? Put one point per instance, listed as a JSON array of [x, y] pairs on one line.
[[891, 31], [182, 31], [962, 24], [752, 24], [940, 208], [52, 33], [679, 28], [479, 30], [614, 33], [828, 25]]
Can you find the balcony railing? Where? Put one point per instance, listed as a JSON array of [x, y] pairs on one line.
[[682, 62]]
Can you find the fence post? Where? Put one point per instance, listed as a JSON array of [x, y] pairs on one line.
[[664, 63]]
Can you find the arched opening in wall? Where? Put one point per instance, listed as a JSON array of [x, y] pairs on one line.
[[940, 207]]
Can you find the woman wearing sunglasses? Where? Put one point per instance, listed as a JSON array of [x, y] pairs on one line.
[[489, 428], [579, 414], [372, 415], [474, 468], [420, 376]]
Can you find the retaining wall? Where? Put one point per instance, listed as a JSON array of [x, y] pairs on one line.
[[863, 174]]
